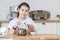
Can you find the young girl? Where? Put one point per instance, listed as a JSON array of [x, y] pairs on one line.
[[22, 20]]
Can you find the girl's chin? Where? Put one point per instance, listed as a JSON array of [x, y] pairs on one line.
[[24, 16]]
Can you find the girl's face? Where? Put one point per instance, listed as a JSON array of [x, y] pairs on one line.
[[23, 11]]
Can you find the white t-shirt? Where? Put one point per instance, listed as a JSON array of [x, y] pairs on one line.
[[23, 23]]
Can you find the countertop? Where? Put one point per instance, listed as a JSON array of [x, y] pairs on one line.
[[34, 37]]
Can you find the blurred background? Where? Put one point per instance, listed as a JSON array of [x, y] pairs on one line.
[[52, 6]]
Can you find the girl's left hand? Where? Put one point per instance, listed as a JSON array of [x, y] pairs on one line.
[[31, 28]]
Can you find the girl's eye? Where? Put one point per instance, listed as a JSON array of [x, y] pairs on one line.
[[22, 9], [26, 10]]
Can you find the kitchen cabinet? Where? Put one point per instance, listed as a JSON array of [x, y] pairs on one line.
[[47, 28], [50, 26], [58, 28]]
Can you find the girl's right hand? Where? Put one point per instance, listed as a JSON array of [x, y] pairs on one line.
[[10, 32]]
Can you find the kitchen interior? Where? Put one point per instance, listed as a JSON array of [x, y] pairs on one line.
[[45, 13]]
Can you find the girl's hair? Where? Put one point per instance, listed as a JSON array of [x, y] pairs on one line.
[[25, 4]]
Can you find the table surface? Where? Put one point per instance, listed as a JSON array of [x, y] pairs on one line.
[[31, 37]]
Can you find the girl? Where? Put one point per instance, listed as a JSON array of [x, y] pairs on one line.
[[22, 20]]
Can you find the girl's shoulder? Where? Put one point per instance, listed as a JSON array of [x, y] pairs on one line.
[[28, 18], [13, 20]]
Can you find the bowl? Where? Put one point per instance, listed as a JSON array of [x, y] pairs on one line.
[[22, 32], [33, 33]]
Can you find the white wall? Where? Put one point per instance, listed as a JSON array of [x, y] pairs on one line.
[[53, 6]]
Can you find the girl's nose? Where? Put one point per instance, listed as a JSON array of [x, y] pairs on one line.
[[24, 12]]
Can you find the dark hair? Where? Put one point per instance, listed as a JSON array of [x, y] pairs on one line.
[[24, 3]]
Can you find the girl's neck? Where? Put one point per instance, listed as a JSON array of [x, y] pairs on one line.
[[21, 18]]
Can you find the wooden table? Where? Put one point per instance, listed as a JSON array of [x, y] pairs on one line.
[[34, 37]]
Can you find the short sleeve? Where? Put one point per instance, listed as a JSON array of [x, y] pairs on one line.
[[30, 21], [11, 24]]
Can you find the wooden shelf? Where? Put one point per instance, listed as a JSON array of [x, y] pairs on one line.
[[4, 21], [42, 21], [37, 21]]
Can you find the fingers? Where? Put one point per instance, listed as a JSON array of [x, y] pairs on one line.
[[11, 31], [31, 27]]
